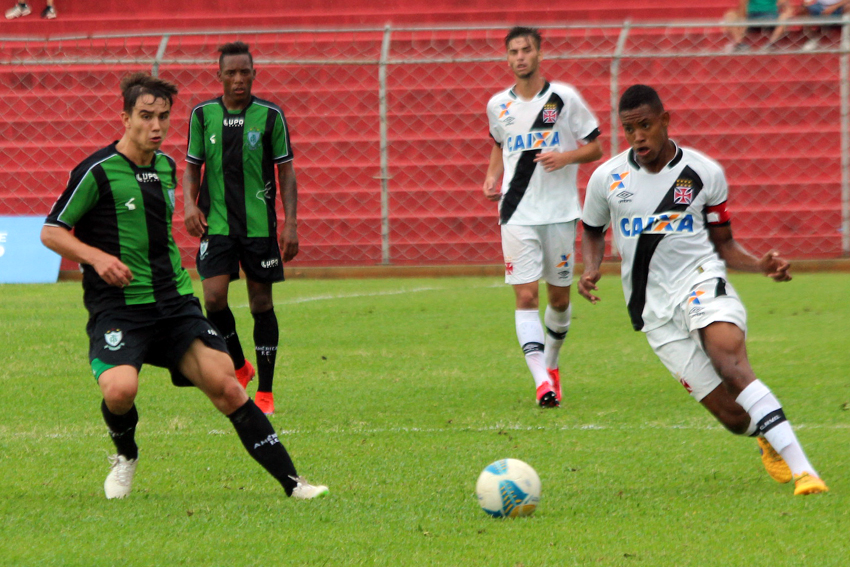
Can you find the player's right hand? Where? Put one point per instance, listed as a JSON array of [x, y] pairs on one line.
[[491, 192], [112, 270], [194, 219], [587, 285]]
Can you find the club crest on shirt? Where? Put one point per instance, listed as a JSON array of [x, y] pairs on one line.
[[253, 139], [550, 113], [683, 193], [113, 338]]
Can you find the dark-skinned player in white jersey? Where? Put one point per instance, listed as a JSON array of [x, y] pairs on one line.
[[542, 132], [666, 206]]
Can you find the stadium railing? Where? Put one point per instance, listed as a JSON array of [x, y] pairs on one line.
[[390, 133]]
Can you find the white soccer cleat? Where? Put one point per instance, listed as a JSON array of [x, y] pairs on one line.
[[119, 481], [18, 11], [305, 491]]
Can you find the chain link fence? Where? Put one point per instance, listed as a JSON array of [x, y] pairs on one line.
[[390, 133]]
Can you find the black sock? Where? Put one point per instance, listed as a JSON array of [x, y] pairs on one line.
[[259, 438], [122, 429], [226, 325], [266, 337]]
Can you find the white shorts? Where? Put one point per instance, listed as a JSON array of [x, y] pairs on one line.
[[537, 252], [677, 343]]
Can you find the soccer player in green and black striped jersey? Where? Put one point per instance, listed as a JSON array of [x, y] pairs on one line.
[[238, 139], [119, 203]]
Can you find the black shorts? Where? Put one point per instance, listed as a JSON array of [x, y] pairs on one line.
[[221, 255], [155, 333]]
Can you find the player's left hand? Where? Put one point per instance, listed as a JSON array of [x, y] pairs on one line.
[[774, 266], [289, 241], [552, 161]]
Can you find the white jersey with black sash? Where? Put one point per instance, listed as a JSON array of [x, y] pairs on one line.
[[660, 224], [556, 119]]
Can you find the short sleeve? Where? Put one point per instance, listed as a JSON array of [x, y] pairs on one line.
[[195, 152], [495, 127], [280, 140], [718, 189], [583, 123], [79, 197], [596, 212]]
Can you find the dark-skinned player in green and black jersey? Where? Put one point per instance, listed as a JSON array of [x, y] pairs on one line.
[[119, 203], [238, 139]]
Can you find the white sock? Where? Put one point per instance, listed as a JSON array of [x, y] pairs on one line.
[[766, 411], [529, 332], [557, 326]]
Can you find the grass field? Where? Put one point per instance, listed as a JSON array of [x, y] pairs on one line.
[[396, 393]]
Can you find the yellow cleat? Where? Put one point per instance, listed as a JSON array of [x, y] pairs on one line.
[[775, 465], [808, 484]]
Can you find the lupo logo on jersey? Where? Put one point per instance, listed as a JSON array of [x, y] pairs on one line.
[[147, 177], [662, 223], [533, 141]]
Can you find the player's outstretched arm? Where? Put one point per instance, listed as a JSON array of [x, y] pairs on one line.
[[193, 218], [108, 267], [592, 252], [736, 257], [289, 194], [495, 170]]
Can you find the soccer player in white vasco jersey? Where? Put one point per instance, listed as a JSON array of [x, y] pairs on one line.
[[667, 209], [542, 131]]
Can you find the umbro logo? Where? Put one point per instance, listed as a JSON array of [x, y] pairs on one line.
[[624, 195]]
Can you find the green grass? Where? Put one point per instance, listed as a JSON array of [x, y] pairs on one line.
[[397, 393]]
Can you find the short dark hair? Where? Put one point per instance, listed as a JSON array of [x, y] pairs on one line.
[[520, 31], [140, 83], [234, 48], [639, 95]]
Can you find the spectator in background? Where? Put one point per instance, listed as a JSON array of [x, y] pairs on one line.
[[754, 10], [23, 9], [821, 8]]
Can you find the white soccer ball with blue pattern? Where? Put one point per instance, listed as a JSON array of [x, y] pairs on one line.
[[508, 488]]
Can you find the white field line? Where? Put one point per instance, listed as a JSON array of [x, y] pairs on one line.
[[336, 296], [332, 431]]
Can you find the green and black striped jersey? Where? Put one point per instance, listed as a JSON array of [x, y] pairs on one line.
[[239, 151], [125, 210]]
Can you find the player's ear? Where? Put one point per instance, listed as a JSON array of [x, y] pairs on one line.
[[125, 119], [665, 119]]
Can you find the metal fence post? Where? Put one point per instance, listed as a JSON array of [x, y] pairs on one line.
[[615, 86], [844, 90], [160, 53], [385, 169]]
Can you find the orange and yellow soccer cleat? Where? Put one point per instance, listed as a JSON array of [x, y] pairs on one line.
[[806, 483], [773, 462]]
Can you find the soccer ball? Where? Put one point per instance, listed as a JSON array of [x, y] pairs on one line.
[[508, 488]]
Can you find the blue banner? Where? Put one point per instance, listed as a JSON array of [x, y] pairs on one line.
[[23, 258]]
